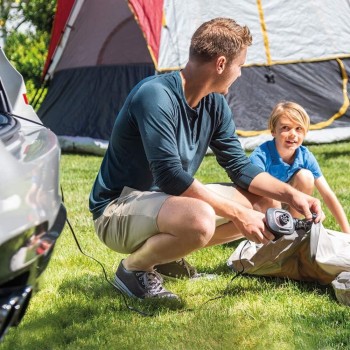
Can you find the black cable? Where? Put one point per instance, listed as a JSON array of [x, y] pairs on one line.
[[142, 313], [103, 268], [23, 118], [238, 273], [105, 274], [76, 240]]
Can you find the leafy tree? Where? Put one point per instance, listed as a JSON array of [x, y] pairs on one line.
[[14, 15], [7, 8], [27, 52], [26, 28], [40, 13]]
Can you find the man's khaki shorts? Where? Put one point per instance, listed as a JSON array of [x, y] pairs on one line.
[[130, 220]]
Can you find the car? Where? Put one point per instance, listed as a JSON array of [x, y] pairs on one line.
[[32, 214]]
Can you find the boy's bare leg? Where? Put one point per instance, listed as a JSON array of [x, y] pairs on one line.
[[303, 181]]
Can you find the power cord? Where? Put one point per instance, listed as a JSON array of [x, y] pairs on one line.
[[75, 237], [237, 274], [129, 307], [143, 313], [23, 118]]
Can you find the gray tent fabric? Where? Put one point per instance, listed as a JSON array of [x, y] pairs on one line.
[[284, 31], [300, 52], [341, 287], [252, 96], [317, 255], [320, 255], [105, 88], [85, 101]]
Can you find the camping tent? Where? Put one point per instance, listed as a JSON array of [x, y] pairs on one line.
[[100, 50]]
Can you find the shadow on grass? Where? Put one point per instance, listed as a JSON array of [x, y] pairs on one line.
[[86, 301], [100, 288], [258, 284], [79, 307], [218, 269], [334, 154]]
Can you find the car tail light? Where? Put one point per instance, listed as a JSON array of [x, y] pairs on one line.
[[25, 98]]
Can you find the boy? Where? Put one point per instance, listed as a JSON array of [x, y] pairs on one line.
[[285, 158]]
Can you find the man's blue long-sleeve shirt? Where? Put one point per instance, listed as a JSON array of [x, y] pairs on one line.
[[158, 142]]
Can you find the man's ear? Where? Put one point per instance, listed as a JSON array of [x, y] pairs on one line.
[[221, 64]]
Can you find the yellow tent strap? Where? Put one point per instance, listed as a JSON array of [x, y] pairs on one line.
[[164, 23], [250, 133], [269, 61], [345, 105], [264, 32]]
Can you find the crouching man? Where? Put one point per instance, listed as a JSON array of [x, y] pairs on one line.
[[146, 202]]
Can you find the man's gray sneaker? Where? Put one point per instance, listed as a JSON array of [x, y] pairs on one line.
[[181, 268], [177, 269], [141, 284]]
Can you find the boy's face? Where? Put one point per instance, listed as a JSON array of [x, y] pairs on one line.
[[288, 134]]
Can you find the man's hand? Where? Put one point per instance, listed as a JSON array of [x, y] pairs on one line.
[[251, 224], [308, 205], [266, 185]]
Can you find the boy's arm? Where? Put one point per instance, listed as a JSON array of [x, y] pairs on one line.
[[266, 185], [332, 203]]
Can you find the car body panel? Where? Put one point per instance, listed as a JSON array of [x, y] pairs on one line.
[[32, 215]]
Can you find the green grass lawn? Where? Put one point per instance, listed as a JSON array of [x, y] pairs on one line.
[[76, 308]]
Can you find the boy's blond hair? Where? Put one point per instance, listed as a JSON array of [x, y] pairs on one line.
[[291, 110]]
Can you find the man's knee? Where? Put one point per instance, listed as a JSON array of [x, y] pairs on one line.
[[202, 224], [187, 218]]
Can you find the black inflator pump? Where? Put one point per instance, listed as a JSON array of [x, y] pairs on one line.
[[280, 222]]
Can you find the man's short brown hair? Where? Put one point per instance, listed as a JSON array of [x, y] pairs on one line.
[[219, 37]]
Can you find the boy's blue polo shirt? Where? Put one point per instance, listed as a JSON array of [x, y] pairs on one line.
[[267, 158]]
